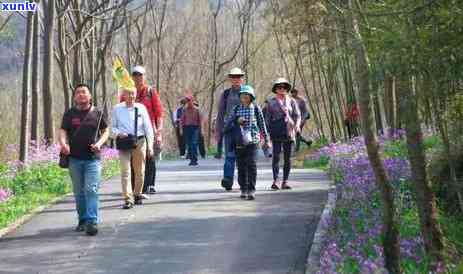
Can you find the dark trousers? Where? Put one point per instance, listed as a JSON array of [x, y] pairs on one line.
[[150, 174], [277, 146], [220, 147], [202, 146], [351, 128], [180, 141], [247, 167], [192, 137]]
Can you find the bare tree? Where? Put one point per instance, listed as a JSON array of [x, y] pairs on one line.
[[35, 78], [425, 199], [48, 70], [24, 140], [158, 14]]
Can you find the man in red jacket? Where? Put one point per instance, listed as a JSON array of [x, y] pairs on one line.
[[149, 97]]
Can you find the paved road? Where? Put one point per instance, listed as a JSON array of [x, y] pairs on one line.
[[190, 226]]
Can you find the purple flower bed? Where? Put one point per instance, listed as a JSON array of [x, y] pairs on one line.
[[353, 243]]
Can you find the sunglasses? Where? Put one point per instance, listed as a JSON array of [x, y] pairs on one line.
[[235, 76], [136, 74], [281, 87]]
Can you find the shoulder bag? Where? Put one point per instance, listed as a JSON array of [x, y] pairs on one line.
[[129, 142]]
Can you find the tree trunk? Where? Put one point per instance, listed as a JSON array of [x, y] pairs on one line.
[[91, 62], [390, 102], [317, 98], [35, 79], [391, 244], [442, 126], [48, 72], [318, 124], [127, 37], [215, 39], [63, 62], [425, 199], [24, 140]]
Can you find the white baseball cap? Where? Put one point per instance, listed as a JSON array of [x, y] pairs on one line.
[[138, 69], [236, 71]]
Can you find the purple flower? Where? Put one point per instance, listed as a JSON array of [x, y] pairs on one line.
[[5, 194]]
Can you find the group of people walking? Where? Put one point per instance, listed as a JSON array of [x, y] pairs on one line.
[[136, 125], [243, 125]]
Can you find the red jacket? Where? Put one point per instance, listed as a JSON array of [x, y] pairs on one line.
[[152, 103], [353, 113]]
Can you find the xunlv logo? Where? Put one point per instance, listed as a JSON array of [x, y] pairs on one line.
[[20, 6]]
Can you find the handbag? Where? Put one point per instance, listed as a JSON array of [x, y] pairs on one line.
[[63, 161], [129, 142]]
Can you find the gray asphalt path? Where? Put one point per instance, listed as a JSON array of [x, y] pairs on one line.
[[190, 226]]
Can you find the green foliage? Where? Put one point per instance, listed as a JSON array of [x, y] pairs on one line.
[[38, 186], [3, 169], [322, 162], [350, 265], [32, 187], [398, 148], [320, 142], [48, 178], [410, 225], [452, 226], [431, 142], [110, 169], [395, 149], [21, 205]]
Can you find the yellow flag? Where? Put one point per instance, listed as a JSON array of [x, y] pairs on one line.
[[121, 76]]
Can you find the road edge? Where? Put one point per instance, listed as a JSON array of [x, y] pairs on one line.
[[313, 258]]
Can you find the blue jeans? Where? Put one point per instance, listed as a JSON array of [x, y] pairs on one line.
[[191, 134], [86, 177], [230, 157]]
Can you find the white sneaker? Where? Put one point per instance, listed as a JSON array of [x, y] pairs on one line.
[[144, 196]]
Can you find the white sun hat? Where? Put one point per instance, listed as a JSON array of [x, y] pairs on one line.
[[236, 71]]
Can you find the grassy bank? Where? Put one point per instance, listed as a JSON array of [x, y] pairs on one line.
[[37, 184]]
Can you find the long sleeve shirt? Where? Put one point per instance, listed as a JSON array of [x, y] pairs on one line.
[[255, 122], [149, 97], [276, 110], [191, 117], [228, 100], [123, 121]]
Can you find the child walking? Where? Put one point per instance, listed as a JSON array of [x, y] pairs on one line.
[[247, 124]]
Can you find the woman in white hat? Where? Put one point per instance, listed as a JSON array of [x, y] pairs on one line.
[[283, 118]]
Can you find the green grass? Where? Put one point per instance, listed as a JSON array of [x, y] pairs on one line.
[[321, 163], [38, 186], [398, 148], [110, 169]]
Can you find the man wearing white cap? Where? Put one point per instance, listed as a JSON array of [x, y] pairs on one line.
[[149, 97], [228, 100]]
